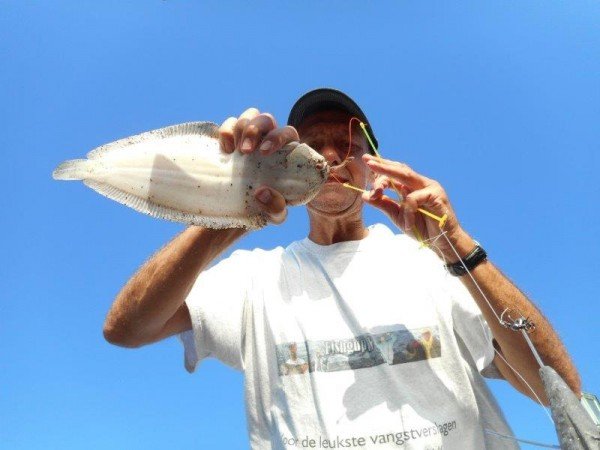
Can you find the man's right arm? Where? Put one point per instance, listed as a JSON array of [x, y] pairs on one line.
[[152, 306]]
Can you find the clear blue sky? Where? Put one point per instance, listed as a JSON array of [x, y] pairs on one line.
[[498, 100]]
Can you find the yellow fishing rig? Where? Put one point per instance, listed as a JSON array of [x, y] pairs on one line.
[[440, 220], [574, 427]]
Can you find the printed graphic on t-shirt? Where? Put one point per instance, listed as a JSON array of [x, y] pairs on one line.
[[367, 350], [394, 439]]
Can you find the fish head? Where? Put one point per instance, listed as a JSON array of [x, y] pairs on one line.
[[303, 172]]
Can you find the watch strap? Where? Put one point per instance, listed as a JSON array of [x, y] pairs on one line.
[[472, 260]]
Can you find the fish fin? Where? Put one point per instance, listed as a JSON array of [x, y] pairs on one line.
[[74, 169], [162, 212], [208, 129]]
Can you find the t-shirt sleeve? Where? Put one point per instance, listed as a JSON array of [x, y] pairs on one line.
[[470, 324], [216, 303]]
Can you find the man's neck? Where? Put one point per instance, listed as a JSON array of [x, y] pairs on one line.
[[329, 230]]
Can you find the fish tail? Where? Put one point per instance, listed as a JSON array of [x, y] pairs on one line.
[[74, 169]]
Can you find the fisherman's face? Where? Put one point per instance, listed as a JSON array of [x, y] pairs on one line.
[[327, 133]]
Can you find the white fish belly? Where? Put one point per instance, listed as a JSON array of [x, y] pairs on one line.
[[179, 173]]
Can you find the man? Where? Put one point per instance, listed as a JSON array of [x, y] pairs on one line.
[[338, 293], [294, 365]]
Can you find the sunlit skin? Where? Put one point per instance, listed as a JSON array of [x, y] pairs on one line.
[[293, 351], [336, 212], [336, 216], [152, 306]]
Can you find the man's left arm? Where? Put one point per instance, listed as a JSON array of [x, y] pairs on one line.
[[503, 295], [421, 192]]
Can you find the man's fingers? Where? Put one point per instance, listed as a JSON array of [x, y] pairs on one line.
[[381, 182], [241, 124], [226, 135], [272, 204], [391, 208], [397, 171], [275, 139], [432, 199], [252, 129], [410, 210], [255, 129]]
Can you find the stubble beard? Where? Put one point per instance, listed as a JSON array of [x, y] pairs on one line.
[[332, 200]]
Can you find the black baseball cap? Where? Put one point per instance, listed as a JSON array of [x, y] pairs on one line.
[[323, 99]]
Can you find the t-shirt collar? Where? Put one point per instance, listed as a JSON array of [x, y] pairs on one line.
[[377, 233]]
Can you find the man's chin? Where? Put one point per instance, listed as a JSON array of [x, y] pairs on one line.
[[332, 202]]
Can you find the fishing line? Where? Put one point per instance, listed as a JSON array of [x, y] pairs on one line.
[[350, 135], [524, 441], [364, 128], [500, 355], [473, 280], [347, 158], [516, 372], [415, 230], [433, 242], [521, 377], [500, 322]]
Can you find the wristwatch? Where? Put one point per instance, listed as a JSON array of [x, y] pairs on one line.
[[472, 260]]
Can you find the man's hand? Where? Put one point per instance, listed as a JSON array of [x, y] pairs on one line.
[[417, 191], [499, 293], [254, 130]]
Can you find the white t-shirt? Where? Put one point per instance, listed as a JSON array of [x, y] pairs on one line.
[[364, 344]]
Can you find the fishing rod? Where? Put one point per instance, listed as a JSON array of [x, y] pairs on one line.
[[574, 426]]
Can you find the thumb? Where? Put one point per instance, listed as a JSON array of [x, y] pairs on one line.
[[389, 206], [272, 203]]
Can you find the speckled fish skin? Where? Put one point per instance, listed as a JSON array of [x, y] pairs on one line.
[[180, 173]]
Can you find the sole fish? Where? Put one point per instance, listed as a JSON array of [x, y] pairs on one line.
[[179, 173]]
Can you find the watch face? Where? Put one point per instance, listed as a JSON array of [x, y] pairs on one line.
[[456, 269]]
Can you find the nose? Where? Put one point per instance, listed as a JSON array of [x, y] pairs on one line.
[[331, 155]]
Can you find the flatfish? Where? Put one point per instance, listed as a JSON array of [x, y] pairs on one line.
[[180, 173]]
